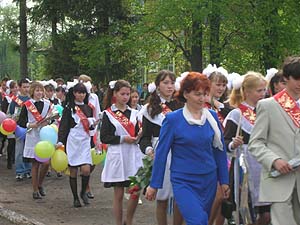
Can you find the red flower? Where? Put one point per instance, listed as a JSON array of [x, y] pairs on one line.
[[133, 189], [134, 196]]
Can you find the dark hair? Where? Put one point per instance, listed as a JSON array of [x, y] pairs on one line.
[[108, 99], [60, 88], [70, 98], [154, 108], [4, 79], [193, 81], [23, 81], [291, 67], [133, 90], [12, 84], [278, 77], [49, 87], [59, 79]]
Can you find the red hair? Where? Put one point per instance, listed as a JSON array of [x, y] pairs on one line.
[[193, 81]]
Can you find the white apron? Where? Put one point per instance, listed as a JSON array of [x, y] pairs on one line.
[[122, 160], [33, 136], [254, 168], [78, 144], [93, 99], [166, 191]]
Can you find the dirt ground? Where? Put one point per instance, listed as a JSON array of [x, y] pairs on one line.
[[56, 208]]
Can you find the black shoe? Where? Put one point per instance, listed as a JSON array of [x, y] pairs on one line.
[[84, 198], [58, 174], [231, 221], [9, 166], [90, 195], [36, 195], [76, 203], [48, 174], [42, 191], [27, 175]]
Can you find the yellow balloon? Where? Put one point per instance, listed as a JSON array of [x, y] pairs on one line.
[[59, 161], [54, 126], [67, 171], [4, 132], [44, 149], [97, 157]]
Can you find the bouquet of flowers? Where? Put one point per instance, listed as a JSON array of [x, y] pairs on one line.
[[141, 178]]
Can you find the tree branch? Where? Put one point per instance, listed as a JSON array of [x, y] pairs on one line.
[[176, 43]]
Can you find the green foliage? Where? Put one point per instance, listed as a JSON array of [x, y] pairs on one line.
[[59, 61], [132, 39], [143, 175], [9, 57]]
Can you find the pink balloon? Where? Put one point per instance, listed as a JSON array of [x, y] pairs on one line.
[[40, 159], [2, 116]]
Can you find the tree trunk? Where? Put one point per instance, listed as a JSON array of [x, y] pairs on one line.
[[214, 42], [196, 48], [56, 65], [270, 55], [23, 40], [104, 29]]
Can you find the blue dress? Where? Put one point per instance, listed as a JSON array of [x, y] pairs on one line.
[[196, 166]]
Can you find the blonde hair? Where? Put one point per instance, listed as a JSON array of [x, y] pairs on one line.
[[251, 81], [84, 78], [218, 77], [35, 85]]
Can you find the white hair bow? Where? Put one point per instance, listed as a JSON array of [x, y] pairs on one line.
[[271, 73], [112, 84], [151, 87], [179, 79]]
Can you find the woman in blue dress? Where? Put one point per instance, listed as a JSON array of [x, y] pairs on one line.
[[198, 153]]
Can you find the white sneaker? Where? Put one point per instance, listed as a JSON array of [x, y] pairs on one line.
[[140, 201], [19, 177], [126, 196]]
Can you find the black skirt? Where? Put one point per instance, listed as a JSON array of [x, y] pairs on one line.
[[125, 183]]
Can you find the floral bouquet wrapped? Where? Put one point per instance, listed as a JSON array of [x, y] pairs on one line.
[[141, 178]]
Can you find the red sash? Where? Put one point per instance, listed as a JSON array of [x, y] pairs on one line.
[[33, 110], [248, 113], [3, 94], [93, 109], [83, 119], [289, 105], [124, 121], [220, 116], [17, 100], [165, 109]]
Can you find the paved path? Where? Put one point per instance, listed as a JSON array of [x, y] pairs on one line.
[[16, 202]]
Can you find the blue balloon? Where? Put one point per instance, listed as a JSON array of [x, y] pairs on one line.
[[20, 132], [48, 133], [59, 109]]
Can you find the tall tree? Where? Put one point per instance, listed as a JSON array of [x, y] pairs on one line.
[[23, 39], [9, 37], [214, 26]]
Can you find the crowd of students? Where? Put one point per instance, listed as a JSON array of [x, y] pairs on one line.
[[200, 129]]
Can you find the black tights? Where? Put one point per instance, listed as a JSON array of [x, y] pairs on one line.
[[73, 185]]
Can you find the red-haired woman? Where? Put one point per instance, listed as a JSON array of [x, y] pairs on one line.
[[198, 153], [160, 103]]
